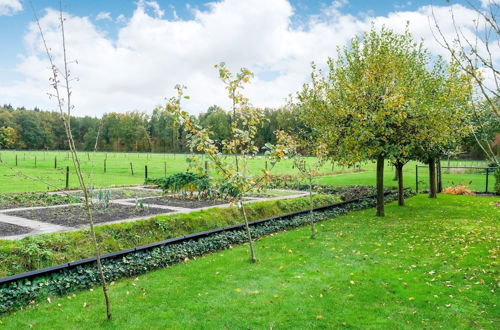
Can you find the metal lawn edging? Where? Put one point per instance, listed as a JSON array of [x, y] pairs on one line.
[[194, 236]]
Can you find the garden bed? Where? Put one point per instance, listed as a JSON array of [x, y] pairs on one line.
[[7, 229], [10, 201], [182, 202], [74, 215], [125, 193]]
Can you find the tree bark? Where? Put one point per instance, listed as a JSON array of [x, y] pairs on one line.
[[439, 176], [380, 186], [247, 228], [401, 195], [432, 178]]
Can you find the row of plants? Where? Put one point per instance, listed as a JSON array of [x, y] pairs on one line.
[[39, 251], [23, 292]]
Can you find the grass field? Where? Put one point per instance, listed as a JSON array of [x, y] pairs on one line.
[[118, 171], [432, 264]]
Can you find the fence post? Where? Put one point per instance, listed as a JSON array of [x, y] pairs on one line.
[[145, 171], [266, 165], [55, 161], [67, 177], [131, 169], [416, 178], [104, 165], [16, 159], [206, 167], [487, 174], [35, 161], [165, 168]]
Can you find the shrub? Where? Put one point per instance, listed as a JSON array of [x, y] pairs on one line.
[[458, 190]]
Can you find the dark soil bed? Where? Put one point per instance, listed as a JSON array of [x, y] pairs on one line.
[[179, 202], [75, 215], [125, 193], [7, 229]]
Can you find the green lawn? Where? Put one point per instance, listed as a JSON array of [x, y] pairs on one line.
[[432, 264], [118, 172]]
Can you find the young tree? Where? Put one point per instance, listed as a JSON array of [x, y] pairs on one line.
[[308, 168], [240, 148], [62, 93], [475, 51]]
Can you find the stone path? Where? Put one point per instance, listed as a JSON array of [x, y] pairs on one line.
[[39, 227]]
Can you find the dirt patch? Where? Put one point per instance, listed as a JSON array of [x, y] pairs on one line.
[[74, 215], [122, 193], [7, 229], [179, 202]]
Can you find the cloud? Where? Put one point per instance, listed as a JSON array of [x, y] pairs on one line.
[[10, 7], [150, 54], [103, 16]]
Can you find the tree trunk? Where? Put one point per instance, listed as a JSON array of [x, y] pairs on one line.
[[439, 176], [311, 205], [401, 194], [432, 178], [247, 228], [396, 177], [380, 186]]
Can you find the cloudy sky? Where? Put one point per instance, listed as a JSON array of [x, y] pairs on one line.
[[128, 55]]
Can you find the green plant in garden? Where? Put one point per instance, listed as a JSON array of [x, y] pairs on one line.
[[238, 149], [186, 183]]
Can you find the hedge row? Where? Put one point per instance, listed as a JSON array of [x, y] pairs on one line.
[[22, 292]]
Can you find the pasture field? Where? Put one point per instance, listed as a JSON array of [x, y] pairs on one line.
[[114, 169], [431, 264]]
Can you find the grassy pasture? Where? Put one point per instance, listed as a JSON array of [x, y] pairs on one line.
[[41, 165], [431, 264]]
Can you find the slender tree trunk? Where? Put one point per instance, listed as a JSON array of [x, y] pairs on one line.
[[401, 194], [247, 228], [380, 186], [396, 177], [432, 178], [439, 176], [311, 205]]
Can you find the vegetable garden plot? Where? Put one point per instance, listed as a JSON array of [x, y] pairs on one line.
[[125, 193], [10, 201], [74, 215], [7, 229], [179, 202]]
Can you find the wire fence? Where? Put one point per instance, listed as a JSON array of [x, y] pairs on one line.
[[477, 178]]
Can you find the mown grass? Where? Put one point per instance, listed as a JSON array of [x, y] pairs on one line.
[[432, 264], [118, 172]]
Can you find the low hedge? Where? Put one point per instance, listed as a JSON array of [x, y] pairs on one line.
[[23, 292], [40, 251]]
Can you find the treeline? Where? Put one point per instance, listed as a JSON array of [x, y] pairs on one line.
[[35, 129]]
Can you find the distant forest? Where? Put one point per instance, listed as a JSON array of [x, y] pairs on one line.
[[138, 131], [35, 129]]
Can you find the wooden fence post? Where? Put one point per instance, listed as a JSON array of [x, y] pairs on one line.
[[55, 161], [131, 169], [145, 171], [67, 177]]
